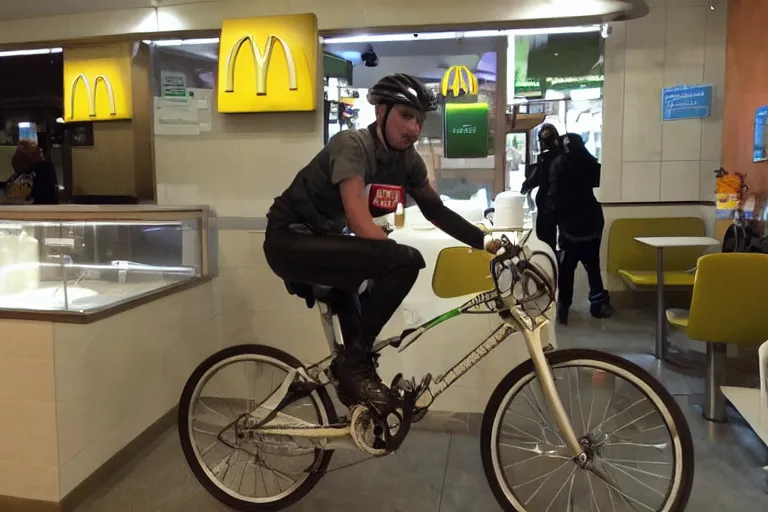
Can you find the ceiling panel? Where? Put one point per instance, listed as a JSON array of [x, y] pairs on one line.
[[19, 10]]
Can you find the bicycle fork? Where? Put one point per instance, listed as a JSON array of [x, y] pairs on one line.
[[551, 395]]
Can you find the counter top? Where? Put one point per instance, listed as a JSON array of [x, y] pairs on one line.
[[105, 208], [80, 212]]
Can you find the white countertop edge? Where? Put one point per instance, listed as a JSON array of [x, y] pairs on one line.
[[677, 241]]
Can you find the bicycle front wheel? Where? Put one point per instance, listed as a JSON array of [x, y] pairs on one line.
[[639, 446]]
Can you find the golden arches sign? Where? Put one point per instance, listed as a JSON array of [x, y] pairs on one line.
[[459, 80], [281, 72], [260, 63], [91, 93]]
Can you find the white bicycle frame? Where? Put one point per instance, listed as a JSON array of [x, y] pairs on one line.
[[514, 320]]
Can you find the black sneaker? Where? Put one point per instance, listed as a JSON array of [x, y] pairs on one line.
[[600, 305], [562, 314], [359, 382], [601, 310]]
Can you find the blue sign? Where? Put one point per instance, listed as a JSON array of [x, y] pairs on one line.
[[686, 102], [761, 119]]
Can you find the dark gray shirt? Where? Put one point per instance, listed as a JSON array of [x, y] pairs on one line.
[[314, 199]]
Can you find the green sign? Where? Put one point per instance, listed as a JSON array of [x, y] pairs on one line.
[[466, 130]]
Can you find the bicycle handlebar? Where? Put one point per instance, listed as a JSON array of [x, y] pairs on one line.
[[522, 282]]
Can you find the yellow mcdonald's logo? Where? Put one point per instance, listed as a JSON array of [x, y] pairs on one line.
[[281, 73], [464, 81], [97, 83], [260, 63], [91, 92]]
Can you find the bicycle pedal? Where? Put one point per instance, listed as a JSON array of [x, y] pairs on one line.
[[424, 384]]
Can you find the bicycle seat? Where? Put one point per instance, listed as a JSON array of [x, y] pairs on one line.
[[317, 293], [310, 293], [321, 293]]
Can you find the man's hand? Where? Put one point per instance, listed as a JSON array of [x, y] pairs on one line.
[[492, 245]]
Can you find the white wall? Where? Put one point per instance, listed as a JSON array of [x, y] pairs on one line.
[[645, 160]]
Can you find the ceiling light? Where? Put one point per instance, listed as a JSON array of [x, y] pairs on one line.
[[427, 36], [37, 51], [184, 42]]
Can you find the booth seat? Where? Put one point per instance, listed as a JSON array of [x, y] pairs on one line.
[[635, 263], [730, 293]]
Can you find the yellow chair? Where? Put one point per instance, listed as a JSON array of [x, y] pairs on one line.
[[635, 263], [462, 271], [729, 305]]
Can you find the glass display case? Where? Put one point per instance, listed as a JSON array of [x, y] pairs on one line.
[[82, 260]]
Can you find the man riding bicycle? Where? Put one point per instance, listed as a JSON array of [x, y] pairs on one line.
[[360, 174]]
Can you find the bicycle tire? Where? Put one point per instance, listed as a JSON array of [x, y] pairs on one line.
[[190, 456], [561, 357]]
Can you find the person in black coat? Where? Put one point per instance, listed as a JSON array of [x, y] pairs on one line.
[[579, 217], [34, 178], [546, 224]]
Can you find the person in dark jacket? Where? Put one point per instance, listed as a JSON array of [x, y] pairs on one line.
[[546, 224], [579, 216], [34, 178]]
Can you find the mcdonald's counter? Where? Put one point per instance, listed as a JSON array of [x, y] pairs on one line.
[[104, 312], [73, 263]]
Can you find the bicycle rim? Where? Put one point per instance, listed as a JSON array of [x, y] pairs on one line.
[[321, 416], [553, 454]]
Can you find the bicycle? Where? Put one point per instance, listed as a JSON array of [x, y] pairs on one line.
[[297, 422]]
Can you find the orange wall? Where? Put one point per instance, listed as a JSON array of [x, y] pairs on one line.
[[746, 88]]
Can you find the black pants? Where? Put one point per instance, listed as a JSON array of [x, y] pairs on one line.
[[546, 229], [571, 254], [343, 263]]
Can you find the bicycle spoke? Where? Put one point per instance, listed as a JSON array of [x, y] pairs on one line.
[[592, 491], [591, 403], [206, 406], [636, 479], [637, 461], [561, 489], [514, 464], [638, 470], [526, 433], [550, 454], [201, 431], [581, 406], [540, 425], [658, 446], [536, 409], [569, 507], [631, 423], [242, 475], [607, 406], [545, 475], [619, 491], [626, 409]]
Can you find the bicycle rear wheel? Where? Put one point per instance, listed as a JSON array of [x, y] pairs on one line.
[[239, 466], [635, 434]]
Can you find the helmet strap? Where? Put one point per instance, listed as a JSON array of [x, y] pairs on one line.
[[384, 126]]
